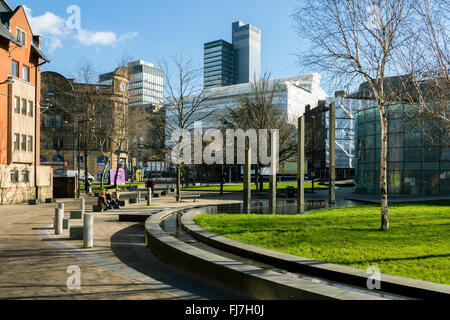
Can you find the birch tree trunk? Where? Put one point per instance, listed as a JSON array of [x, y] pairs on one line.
[[383, 170]]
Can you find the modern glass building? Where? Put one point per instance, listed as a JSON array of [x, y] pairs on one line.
[[418, 153], [227, 64], [146, 83], [247, 52], [218, 64]]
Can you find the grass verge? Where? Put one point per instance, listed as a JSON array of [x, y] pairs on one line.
[[417, 245]]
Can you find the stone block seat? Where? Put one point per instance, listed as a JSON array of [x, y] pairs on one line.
[[76, 215], [76, 233]]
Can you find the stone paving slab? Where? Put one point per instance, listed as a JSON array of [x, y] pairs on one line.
[[33, 262]]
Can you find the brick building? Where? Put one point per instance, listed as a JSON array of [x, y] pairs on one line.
[[69, 102], [22, 177]]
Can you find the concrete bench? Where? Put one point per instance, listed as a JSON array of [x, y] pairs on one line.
[[76, 233], [190, 196], [76, 215]]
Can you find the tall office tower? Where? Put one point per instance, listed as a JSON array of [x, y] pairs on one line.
[[218, 64], [146, 84], [247, 52]]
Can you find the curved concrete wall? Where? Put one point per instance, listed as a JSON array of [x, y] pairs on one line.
[[249, 280], [393, 284]]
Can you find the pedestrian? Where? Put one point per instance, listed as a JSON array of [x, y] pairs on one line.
[[153, 186], [88, 187], [102, 203], [116, 199], [108, 199]]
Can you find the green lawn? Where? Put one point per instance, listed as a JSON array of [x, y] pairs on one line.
[[240, 187], [417, 245], [96, 186]]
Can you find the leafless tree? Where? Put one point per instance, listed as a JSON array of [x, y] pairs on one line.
[[423, 68], [356, 40], [186, 100], [259, 110], [103, 137]]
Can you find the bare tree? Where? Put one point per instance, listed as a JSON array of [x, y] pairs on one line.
[[103, 137], [355, 40], [259, 110], [423, 68], [186, 100]]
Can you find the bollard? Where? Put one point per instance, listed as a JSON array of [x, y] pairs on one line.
[[83, 205], [59, 217], [61, 206], [88, 231], [149, 197], [138, 196]]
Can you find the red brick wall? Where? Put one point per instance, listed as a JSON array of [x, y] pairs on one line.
[[8, 52]]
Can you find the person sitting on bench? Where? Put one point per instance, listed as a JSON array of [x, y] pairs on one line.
[[116, 199]]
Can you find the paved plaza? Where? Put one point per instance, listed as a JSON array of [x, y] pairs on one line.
[[34, 262]]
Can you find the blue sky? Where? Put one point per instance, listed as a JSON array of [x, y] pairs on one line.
[[157, 29]]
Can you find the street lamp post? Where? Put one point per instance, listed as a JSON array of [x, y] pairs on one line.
[[78, 156]]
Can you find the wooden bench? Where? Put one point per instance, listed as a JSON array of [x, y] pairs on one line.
[[190, 196]]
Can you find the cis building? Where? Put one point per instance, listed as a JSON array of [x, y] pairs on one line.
[[22, 177], [233, 63]]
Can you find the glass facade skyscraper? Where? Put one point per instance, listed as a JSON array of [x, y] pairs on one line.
[[146, 84], [240, 62], [218, 64], [247, 52]]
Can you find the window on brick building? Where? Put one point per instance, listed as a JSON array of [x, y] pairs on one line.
[[25, 176], [16, 142], [15, 68], [24, 106], [30, 108], [14, 176], [23, 143], [30, 143], [26, 73], [16, 104], [22, 37]]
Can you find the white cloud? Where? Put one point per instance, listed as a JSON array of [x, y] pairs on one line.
[[55, 43], [55, 28], [47, 24], [129, 35], [88, 38]]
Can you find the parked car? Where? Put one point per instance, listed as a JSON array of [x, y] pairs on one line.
[[73, 173]]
